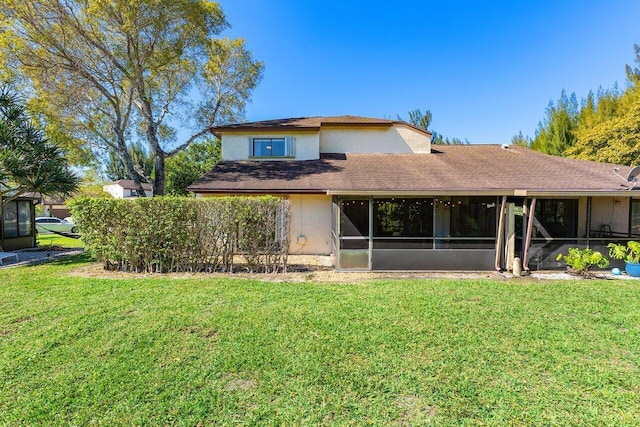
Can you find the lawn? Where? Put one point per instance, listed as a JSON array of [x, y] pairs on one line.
[[202, 351], [58, 240]]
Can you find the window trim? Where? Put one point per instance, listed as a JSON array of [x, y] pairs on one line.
[[289, 147]]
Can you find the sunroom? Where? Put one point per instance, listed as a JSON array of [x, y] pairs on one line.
[[475, 232]]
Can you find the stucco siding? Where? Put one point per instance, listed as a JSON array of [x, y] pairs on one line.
[[396, 139], [311, 218], [611, 211], [237, 146]]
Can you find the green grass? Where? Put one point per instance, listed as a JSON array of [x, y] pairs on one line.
[[57, 240], [159, 350]]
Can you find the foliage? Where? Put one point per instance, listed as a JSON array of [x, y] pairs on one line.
[[521, 140], [28, 161], [184, 168], [616, 140], [605, 127], [581, 260], [628, 253], [105, 72], [115, 168], [83, 347], [184, 234], [555, 132]]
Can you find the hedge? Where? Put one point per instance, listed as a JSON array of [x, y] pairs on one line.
[[180, 234]]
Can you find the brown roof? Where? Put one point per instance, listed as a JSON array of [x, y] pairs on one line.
[[129, 184], [311, 123], [448, 169]]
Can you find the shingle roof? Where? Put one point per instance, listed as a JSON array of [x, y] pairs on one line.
[[311, 123], [129, 184], [456, 168]]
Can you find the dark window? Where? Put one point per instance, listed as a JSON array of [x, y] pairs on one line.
[[403, 217], [354, 218], [558, 218], [269, 147], [472, 216]]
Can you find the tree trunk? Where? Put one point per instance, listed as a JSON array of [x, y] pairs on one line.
[[159, 179], [121, 147]]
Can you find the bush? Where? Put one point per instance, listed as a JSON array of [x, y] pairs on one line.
[[173, 234], [581, 260]]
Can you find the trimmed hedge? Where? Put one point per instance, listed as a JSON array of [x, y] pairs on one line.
[[179, 234]]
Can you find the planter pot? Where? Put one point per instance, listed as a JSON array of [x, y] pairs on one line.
[[632, 269]]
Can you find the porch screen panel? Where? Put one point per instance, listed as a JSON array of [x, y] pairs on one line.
[[10, 220], [559, 217], [634, 223], [354, 234], [24, 218], [403, 223], [354, 218]]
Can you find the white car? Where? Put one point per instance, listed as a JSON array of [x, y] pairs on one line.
[[51, 224]]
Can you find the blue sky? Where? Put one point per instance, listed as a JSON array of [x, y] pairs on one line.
[[485, 69]]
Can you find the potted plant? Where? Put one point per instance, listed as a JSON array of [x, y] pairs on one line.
[[580, 261], [629, 253]]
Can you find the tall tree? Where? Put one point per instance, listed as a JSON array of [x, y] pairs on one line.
[[555, 132], [153, 55], [28, 161]]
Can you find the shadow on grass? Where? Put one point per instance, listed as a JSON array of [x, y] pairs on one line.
[[82, 258]]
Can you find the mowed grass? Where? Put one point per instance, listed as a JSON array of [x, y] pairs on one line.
[[52, 239], [224, 351]]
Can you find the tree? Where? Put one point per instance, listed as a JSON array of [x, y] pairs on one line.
[[186, 167], [423, 120], [521, 140], [615, 141], [131, 64], [115, 169], [555, 132], [28, 161]]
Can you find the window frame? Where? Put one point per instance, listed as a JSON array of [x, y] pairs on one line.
[[289, 147], [22, 228]]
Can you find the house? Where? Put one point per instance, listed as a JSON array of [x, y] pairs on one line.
[[125, 188], [17, 223], [55, 206], [376, 195]]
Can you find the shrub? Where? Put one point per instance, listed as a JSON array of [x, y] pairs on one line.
[[581, 260], [164, 234], [629, 253]]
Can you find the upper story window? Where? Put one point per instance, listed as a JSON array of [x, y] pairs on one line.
[[272, 147]]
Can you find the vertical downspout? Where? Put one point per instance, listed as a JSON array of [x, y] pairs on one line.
[[500, 236], [588, 221], [527, 242]]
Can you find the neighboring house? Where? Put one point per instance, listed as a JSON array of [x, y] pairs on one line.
[[17, 223], [125, 188], [55, 206], [377, 195]]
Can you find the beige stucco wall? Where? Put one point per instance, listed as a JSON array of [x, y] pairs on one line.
[[612, 211], [237, 146], [396, 139], [310, 217]]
